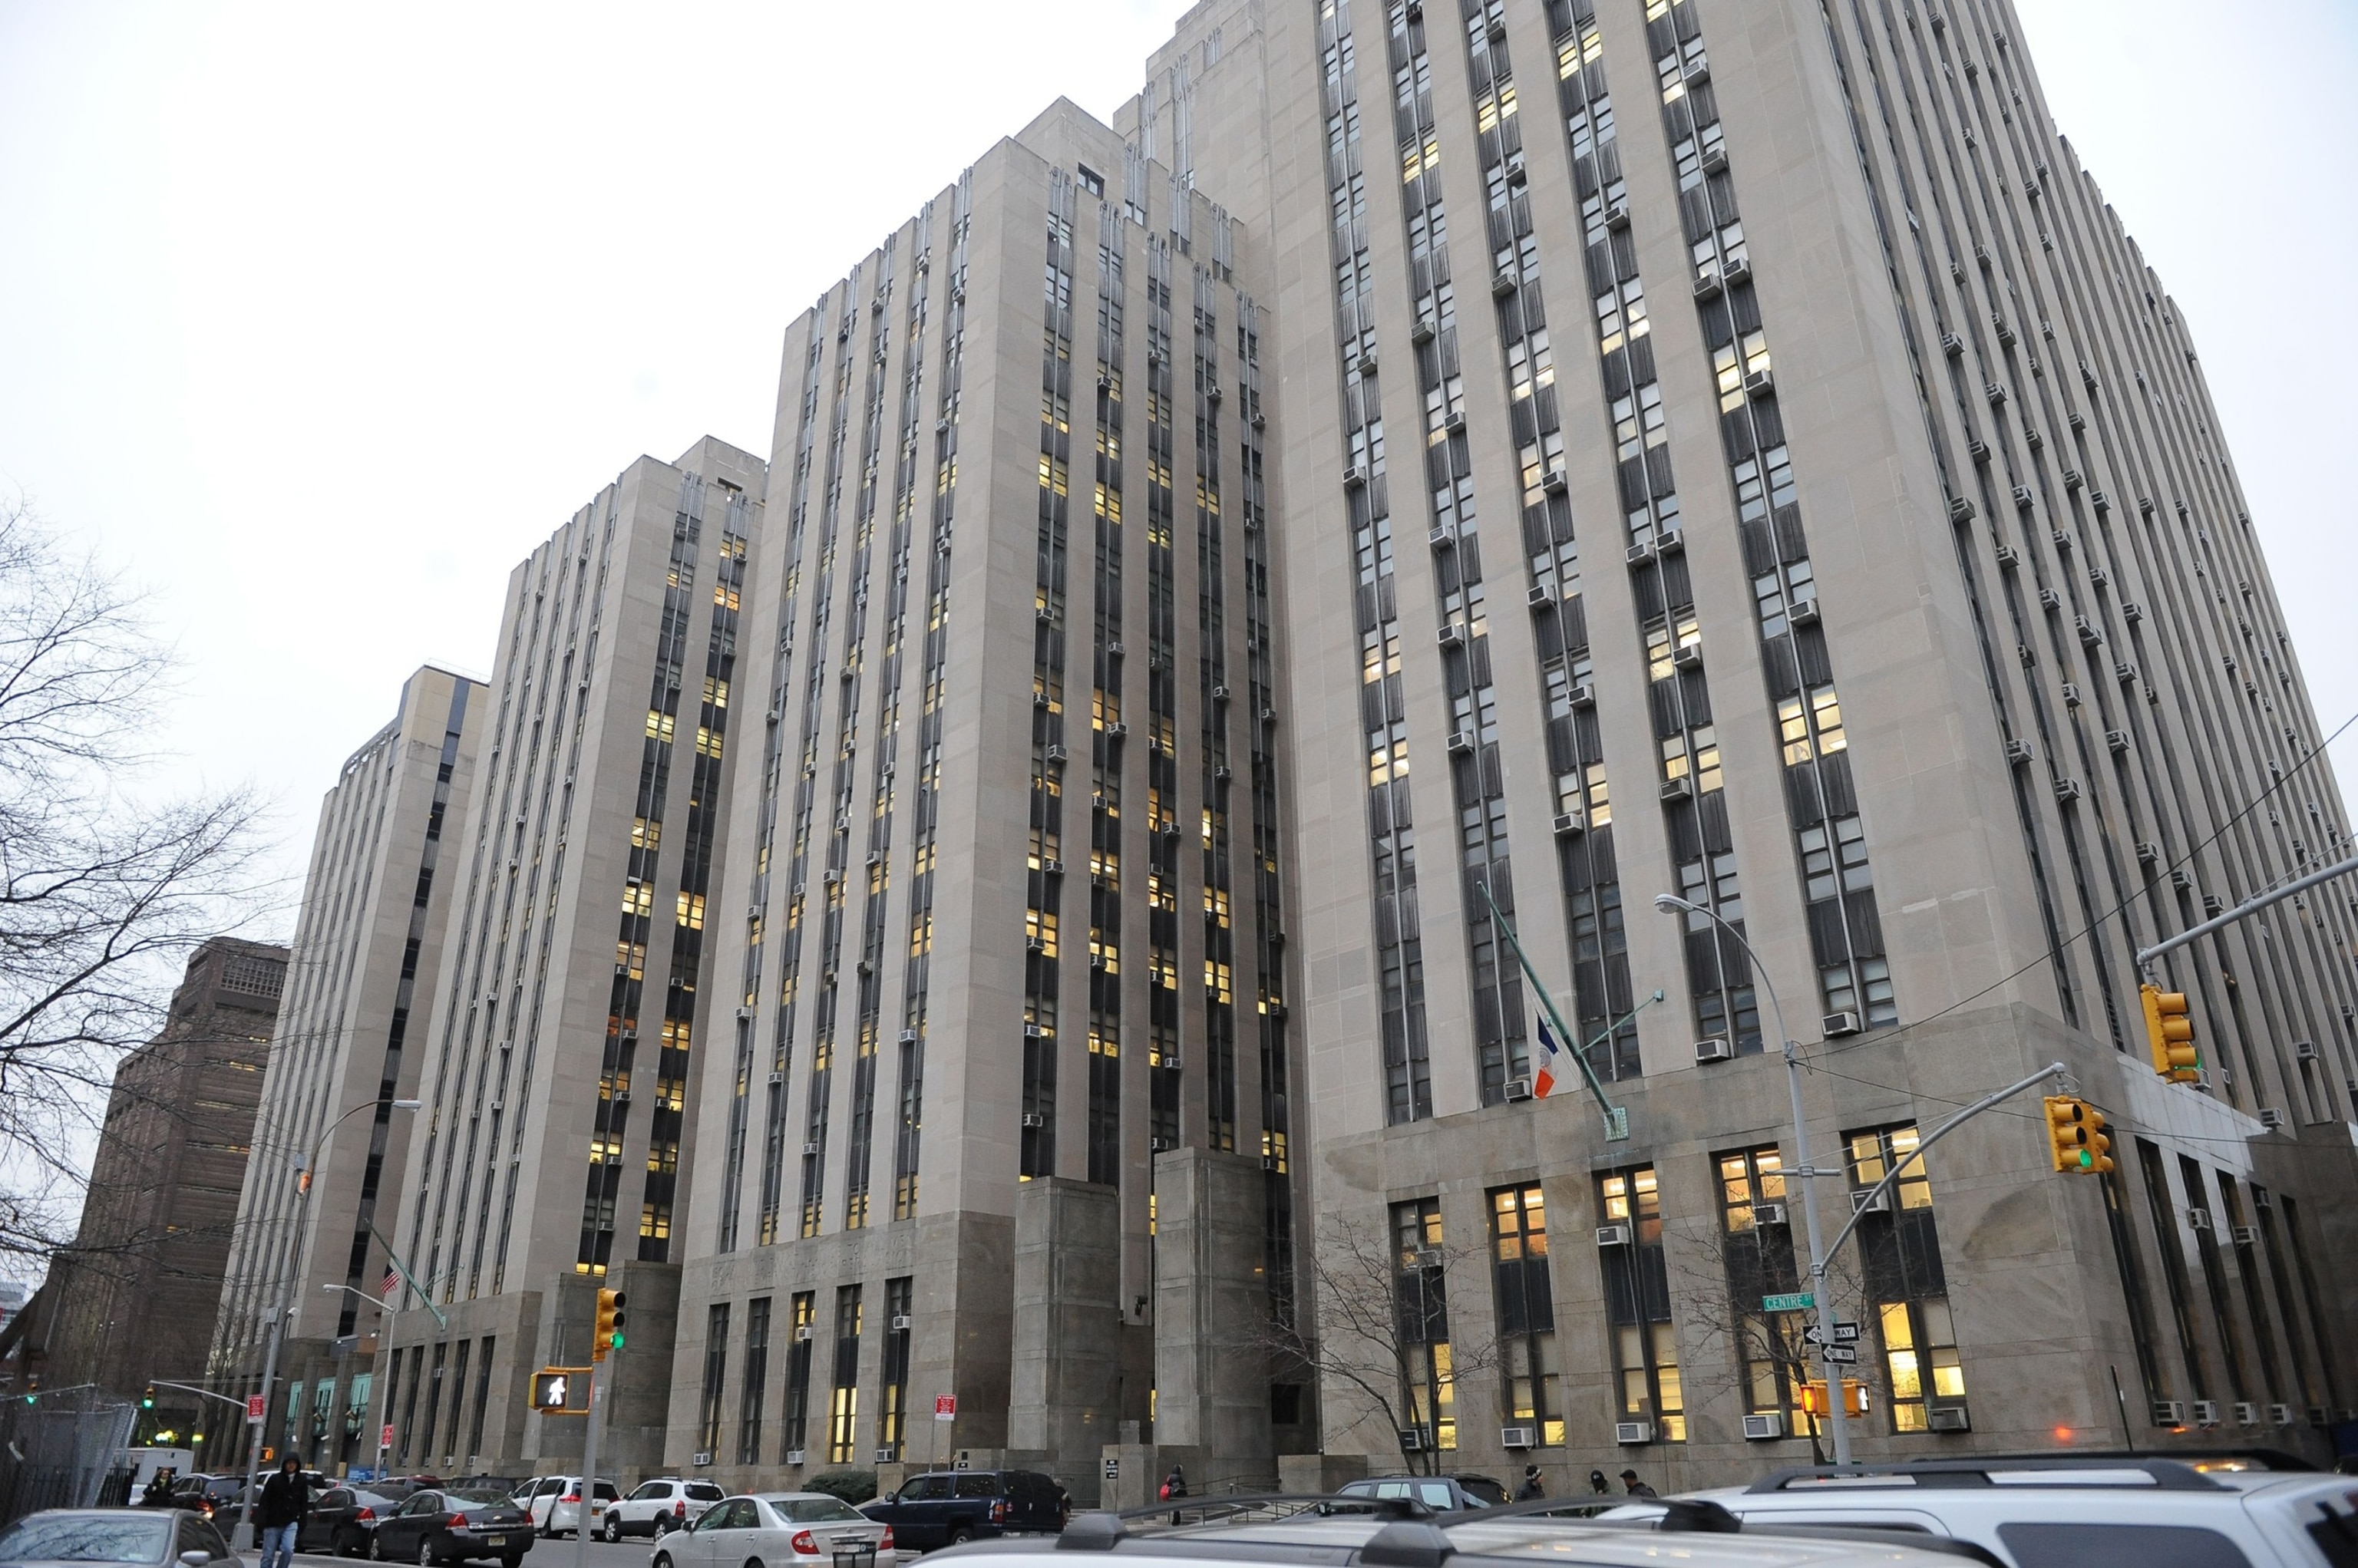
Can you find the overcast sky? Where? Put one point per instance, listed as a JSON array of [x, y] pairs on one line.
[[317, 317]]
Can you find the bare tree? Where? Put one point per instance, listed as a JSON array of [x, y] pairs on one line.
[[1718, 1281], [1378, 1315], [103, 888]]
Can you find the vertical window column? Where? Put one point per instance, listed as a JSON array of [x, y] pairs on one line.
[[1652, 1398], [1526, 1302]]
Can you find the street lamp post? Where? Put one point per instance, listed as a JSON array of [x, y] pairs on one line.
[[1837, 1418], [304, 1173]]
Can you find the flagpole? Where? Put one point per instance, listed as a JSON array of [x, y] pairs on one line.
[[1616, 1118]]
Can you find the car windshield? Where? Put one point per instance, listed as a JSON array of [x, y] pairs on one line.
[[816, 1511], [704, 1491], [86, 1538], [475, 1494]]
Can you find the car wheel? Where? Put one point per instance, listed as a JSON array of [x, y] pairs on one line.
[[960, 1536], [348, 1543], [425, 1558], [662, 1526], [376, 1549], [662, 1559], [613, 1531]]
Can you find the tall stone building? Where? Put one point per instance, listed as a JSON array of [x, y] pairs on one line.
[[376, 902], [1731, 450], [1009, 1118], [134, 1300], [558, 1065]]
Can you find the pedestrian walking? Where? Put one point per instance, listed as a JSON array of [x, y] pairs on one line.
[[1599, 1484], [1174, 1486], [1530, 1488], [1636, 1488], [286, 1499]]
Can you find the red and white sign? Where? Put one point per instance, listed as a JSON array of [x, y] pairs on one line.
[[385, 1438], [255, 1407], [946, 1407]]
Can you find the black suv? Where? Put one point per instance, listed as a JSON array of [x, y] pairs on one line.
[[943, 1507]]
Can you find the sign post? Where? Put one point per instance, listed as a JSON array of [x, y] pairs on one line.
[[255, 1407]]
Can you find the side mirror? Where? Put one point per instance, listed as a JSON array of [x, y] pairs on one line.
[[196, 1559], [891, 1497]]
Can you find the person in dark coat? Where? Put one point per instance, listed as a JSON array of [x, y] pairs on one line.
[[1174, 1486], [1530, 1488], [279, 1512], [1636, 1488], [1599, 1484]]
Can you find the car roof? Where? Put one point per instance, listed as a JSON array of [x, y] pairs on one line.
[[1497, 1535]]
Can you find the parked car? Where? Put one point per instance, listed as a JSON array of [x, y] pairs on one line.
[[207, 1495], [83, 1536], [453, 1524], [2086, 1512], [943, 1508], [777, 1528], [555, 1504], [660, 1507], [1441, 1494], [342, 1518]]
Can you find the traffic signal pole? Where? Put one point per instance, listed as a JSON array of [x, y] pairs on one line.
[[588, 1465], [2245, 910]]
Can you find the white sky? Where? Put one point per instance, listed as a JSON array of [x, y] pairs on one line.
[[320, 317]]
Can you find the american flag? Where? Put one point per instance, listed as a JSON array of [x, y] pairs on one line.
[[392, 1284]]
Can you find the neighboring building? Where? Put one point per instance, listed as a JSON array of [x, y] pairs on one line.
[[366, 950], [1732, 450], [1009, 1116], [134, 1300], [558, 1065]]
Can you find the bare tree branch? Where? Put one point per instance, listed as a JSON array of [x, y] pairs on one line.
[[1369, 1334], [104, 889]]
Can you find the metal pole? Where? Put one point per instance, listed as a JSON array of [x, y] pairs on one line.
[[1616, 1119], [1837, 1417], [2250, 906], [246, 1537], [588, 1466], [1866, 1201]]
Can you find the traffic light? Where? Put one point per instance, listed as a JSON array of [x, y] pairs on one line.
[[2169, 1034], [2076, 1136], [609, 1335], [147, 1400], [552, 1390], [1816, 1401]]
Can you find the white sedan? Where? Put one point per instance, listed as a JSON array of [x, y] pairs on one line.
[[779, 1530]]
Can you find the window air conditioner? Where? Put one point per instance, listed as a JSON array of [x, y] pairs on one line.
[[1033, 1118], [1519, 1088], [1517, 1436], [2198, 1219], [811, 1147], [2281, 1416], [2245, 1235], [1633, 1432], [2271, 1117], [1769, 1214], [2204, 1412], [1714, 1051], [1679, 788], [802, 1336], [908, 1037], [1453, 635], [1804, 613], [2247, 1414], [1157, 1145], [1613, 1236], [1638, 554], [903, 1323], [794, 1455], [1865, 1199], [1461, 741], [1582, 696], [2320, 1415], [1950, 1418], [1689, 657], [1708, 283], [1764, 1428], [2116, 739], [2305, 1049], [1837, 1024], [1412, 1439], [704, 1457], [777, 1078], [1442, 538], [2170, 1413], [887, 1454], [1567, 822]]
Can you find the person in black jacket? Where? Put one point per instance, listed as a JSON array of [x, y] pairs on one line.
[[286, 1499], [1530, 1486]]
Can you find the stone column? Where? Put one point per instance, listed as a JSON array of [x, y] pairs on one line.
[[1065, 1372], [1211, 1309]]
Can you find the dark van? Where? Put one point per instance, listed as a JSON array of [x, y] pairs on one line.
[[943, 1508]]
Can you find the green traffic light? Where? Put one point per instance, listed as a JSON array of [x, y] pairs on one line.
[[617, 1340]]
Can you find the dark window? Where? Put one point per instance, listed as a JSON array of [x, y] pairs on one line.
[[716, 1369], [2119, 1546]]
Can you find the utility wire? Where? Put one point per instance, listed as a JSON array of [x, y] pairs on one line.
[[1886, 1036]]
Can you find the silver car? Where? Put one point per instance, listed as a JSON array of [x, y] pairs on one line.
[[778, 1530], [147, 1536]]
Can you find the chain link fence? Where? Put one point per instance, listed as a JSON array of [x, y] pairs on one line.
[[63, 1451]]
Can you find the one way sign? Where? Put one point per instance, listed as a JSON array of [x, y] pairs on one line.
[[1845, 1334]]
